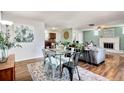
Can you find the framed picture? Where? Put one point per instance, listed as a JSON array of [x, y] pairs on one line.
[[66, 35], [24, 33]]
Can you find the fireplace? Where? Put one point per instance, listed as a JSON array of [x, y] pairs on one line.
[[108, 45]]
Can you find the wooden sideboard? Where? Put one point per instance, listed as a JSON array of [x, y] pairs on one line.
[[7, 69]]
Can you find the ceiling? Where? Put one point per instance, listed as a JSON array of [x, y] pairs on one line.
[[74, 19]]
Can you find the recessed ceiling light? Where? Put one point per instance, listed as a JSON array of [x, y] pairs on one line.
[[54, 28]]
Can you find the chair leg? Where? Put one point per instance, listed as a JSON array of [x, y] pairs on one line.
[[61, 71], [44, 62], [53, 72], [78, 73], [70, 73]]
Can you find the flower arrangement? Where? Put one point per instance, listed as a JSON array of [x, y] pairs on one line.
[[5, 44]]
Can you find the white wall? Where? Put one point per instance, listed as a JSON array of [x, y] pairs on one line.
[[33, 49]]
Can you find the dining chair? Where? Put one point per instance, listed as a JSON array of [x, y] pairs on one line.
[[69, 54], [52, 65], [45, 55], [72, 65]]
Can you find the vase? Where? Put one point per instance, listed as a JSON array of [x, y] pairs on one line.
[[3, 55]]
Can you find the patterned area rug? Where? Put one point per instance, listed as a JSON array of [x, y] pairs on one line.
[[38, 73]]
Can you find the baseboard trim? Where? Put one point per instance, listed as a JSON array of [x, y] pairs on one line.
[[32, 59], [113, 51]]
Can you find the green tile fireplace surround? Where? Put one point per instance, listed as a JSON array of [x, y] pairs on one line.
[[89, 36]]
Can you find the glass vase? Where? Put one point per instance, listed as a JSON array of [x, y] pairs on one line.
[[3, 55]]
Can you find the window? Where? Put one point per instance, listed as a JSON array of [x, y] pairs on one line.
[[96, 33]]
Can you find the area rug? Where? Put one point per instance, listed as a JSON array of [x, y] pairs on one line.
[[38, 73]]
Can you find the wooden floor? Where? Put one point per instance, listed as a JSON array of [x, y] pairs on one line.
[[112, 69], [21, 70]]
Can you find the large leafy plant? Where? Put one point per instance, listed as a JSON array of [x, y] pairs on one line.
[[5, 43]]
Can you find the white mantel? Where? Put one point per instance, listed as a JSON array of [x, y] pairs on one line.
[[114, 40]]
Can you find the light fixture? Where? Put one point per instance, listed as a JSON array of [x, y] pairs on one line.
[[54, 28], [99, 28], [6, 22]]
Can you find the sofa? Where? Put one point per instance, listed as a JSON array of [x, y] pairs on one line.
[[94, 56]]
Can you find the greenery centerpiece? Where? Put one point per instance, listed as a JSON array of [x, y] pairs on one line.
[[5, 45], [66, 43]]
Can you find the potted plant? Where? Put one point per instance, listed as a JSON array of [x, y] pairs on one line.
[[5, 45]]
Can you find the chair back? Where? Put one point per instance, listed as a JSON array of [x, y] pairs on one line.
[[72, 49], [44, 52], [49, 57], [76, 58]]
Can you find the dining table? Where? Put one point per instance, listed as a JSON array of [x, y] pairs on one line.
[[60, 53]]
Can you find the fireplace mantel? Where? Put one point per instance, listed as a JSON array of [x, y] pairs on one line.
[[114, 40]]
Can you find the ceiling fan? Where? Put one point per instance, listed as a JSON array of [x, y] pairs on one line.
[[99, 27]]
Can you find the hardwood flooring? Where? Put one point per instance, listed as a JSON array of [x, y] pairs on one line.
[[112, 69], [21, 70]]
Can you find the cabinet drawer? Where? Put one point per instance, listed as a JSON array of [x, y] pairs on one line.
[[7, 74]]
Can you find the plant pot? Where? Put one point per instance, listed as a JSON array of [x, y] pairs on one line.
[[3, 55]]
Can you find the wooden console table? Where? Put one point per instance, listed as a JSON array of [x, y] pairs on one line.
[[7, 69]]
